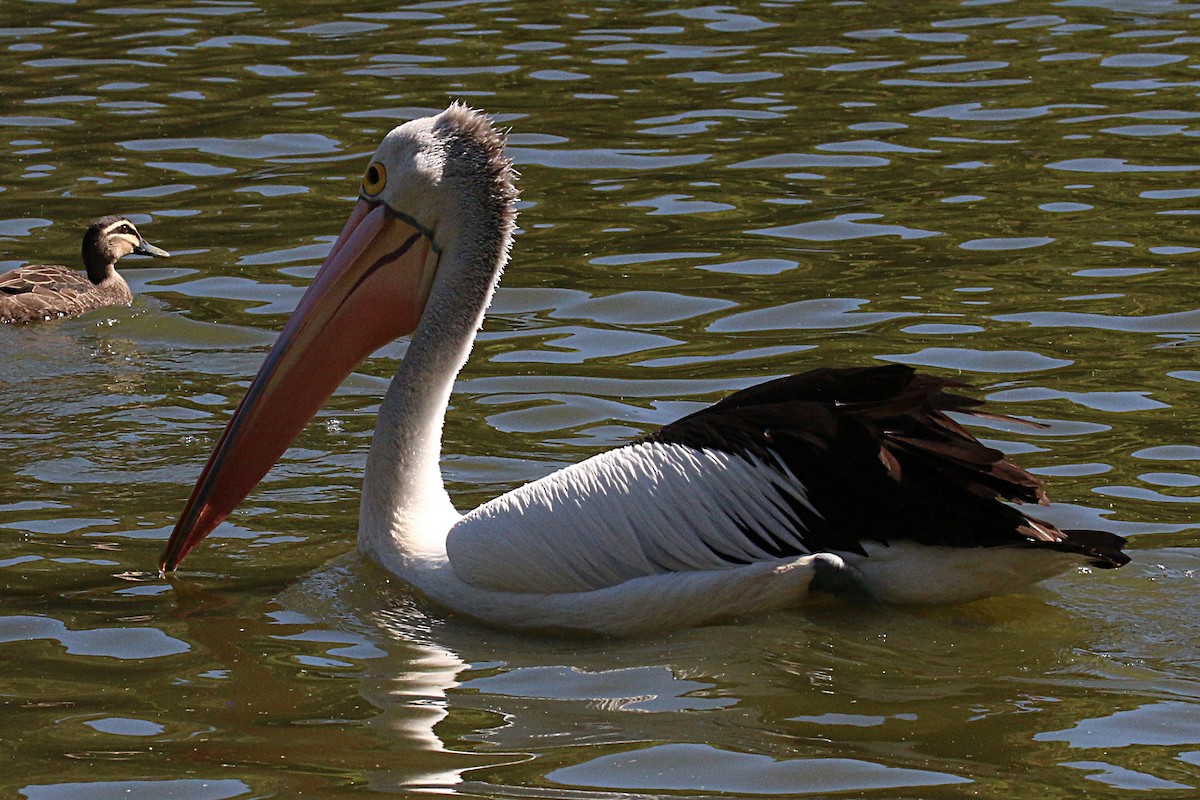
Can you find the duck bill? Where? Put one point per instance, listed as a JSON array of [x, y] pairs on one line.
[[144, 248], [371, 289]]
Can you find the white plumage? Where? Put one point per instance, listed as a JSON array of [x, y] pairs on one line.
[[640, 510]]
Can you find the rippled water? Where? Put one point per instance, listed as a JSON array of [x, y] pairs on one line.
[[1005, 192]]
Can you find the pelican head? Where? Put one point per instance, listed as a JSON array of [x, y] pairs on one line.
[[435, 207]]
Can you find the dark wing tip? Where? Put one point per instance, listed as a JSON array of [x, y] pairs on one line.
[[881, 457], [1106, 549]]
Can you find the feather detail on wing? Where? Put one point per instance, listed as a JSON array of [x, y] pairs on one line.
[[643, 509], [38, 291], [882, 460], [39, 278], [818, 462]]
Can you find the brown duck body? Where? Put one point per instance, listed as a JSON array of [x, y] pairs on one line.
[[47, 291]]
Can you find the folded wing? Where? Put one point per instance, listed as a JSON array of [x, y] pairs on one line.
[[824, 461]]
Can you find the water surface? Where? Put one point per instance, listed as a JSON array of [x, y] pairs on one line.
[[1004, 193]]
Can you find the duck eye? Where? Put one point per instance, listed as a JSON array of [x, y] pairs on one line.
[[375, 178]]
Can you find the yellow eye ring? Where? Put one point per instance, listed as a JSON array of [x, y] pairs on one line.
[[374, 179]]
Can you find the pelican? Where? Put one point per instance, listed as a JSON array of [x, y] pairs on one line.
[[841, 480], [46, 291]]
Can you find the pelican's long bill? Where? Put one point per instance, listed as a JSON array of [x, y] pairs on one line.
[[858, 481], [371, 290]]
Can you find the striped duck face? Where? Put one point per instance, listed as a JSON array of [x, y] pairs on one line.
[[108, 240]]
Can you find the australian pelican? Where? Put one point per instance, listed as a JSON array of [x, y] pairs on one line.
[[835, 479]]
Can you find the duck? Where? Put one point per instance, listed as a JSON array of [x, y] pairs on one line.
[[49, 291], [851, 482]]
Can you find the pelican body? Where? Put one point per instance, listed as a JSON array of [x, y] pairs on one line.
[[46, 291], [841, 480]]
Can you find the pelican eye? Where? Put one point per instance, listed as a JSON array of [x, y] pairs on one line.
[[374, 179]]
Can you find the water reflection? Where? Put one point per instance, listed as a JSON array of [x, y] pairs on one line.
[[785, 706], [118, 790], [676, 767]]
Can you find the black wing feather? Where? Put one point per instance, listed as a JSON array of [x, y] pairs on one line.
[[881, 460]]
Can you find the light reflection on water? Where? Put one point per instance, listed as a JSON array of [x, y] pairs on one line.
[[710, 196]]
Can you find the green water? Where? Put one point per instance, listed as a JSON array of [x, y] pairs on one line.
[[1001, 192]]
